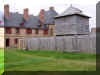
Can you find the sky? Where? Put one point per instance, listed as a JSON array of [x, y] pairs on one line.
[[87, 6]]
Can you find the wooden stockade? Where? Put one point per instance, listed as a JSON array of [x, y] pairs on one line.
[[84, 44]]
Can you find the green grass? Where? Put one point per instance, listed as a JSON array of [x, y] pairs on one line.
[[1, 61], [19, 60]]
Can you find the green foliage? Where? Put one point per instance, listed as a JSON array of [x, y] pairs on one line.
[[1, 61], [19, 60]]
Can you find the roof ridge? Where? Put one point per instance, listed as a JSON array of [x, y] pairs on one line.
[[71, 10]]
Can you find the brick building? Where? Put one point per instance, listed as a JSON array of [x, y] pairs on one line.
[[47, 24], [18, 26]]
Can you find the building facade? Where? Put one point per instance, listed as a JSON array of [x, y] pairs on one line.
[[47, 24], [1, 30], [72, 22], [18, 26]]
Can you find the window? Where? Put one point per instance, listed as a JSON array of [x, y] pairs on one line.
[[15, 41], [45, 32], [36, 31], [22, 24], [8, 31], [7, 42], [29, 31], [17, 30]]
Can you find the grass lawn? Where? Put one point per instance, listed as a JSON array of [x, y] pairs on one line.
[[1, 61], [19, 60]]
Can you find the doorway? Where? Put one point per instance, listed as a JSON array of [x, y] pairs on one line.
[[7, 43]]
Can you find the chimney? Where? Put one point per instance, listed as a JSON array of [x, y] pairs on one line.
[[51, 8], [41, 15], [26, 14], [6, 11]]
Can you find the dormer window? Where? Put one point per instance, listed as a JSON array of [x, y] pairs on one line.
[[8, 31], [22, 24]]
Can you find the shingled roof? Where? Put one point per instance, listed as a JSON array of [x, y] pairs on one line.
[[49, 17], [15, 19], [72, 11]]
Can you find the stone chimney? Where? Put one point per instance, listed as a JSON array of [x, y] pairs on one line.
[[6, 11], [41, 15], [51, 8], [26, 14]]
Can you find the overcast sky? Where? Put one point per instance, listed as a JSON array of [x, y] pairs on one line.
[[87, 6]]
